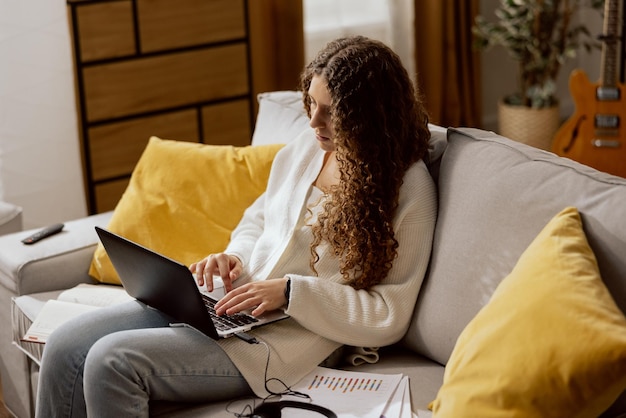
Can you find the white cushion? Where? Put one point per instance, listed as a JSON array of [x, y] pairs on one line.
[[281, 117]]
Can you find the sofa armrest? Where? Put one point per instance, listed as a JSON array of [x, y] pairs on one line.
[[57, 262]]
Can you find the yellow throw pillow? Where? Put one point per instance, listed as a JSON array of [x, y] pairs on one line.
[[551, 342], [184, 199]]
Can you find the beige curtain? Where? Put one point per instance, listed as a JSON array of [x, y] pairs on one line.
[[448, 70]]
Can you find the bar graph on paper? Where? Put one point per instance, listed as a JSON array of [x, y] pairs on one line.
[[343, 385], [349, 394]]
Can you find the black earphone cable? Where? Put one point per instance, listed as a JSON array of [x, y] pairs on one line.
[[287, 390], [248, 410]]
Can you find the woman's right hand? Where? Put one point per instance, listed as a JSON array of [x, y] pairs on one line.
[[228, 267]]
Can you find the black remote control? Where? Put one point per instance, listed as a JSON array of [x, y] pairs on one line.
[[44, 233]]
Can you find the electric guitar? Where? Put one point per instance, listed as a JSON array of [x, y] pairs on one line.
[[596, 134]]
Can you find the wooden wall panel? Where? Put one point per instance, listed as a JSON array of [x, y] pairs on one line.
[[177, 69], [165, 81], [191, 22], [276, 44], [106, 30], [115, 148], [106, 195], [227, 123]]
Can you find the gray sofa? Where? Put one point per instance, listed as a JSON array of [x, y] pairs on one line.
[[495, 196]]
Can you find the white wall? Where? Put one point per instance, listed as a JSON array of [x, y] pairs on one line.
[[499, 72], [40, 166]]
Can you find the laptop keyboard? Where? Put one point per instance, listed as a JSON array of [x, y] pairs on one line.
[[226, 322]]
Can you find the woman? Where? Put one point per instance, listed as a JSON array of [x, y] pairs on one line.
[[341, 236]]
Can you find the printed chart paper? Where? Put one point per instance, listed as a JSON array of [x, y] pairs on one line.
[[399, 406], [353, 394]]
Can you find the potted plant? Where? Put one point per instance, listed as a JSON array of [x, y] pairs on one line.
[[540, 35]]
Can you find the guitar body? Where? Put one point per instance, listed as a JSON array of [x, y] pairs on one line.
[[595, 135]]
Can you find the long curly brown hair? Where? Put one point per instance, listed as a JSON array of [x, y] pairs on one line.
[[381, 129]]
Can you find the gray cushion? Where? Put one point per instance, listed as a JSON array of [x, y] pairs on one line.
[[495, 195], [53, 263]]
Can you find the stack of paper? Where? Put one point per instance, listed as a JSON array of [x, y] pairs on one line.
[[70, 304], [354, 394]]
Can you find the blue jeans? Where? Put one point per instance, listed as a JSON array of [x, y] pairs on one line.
[[113, 361]]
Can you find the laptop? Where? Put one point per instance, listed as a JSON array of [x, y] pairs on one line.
[[170, 287]]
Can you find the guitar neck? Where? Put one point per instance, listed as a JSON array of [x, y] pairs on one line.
[[623, 51], [611, 47]]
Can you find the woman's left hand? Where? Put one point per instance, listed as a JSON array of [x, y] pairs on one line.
[[263, 296]]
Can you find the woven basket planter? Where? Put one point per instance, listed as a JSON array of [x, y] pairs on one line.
[[535, 127]]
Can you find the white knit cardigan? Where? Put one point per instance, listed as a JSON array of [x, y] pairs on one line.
[[325, 312]]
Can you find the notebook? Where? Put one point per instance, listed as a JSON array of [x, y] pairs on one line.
[[170, 287]]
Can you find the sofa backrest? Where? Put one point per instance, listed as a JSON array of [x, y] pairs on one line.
[[495, 196]]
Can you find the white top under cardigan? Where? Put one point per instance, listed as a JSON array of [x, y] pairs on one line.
[[325, 312]]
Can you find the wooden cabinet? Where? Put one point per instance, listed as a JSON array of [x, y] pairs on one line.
[[178, 69]]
